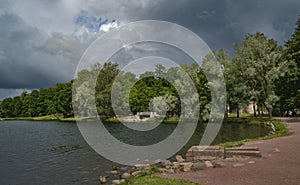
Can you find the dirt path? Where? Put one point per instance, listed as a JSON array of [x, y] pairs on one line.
[[280, 164]]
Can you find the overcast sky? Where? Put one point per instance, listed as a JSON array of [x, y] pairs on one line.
[[41, 42]]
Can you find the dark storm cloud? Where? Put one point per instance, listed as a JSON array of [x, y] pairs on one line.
[[41, 44], [31, 59], [223, 23]]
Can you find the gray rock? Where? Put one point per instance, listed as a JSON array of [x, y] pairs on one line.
[[176, 165], [136, 173], [218, 164], [122, 181], [142, 166], [162, 163], [114, 172], [125, 175], [237, 165], [157, 161], [187, 166], [199, 166], [125, 169], [116, 182]]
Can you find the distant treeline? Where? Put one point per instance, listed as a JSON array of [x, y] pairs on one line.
[[41, 102], [260, 72]]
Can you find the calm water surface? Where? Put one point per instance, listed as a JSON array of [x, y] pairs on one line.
[[27, 155]]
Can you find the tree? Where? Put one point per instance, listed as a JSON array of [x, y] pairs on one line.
[[288, 86], [237, 90], [260, 64]]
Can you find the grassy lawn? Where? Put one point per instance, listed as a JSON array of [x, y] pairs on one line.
[[154, 180]]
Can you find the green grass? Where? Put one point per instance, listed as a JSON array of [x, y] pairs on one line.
[[155, 180], [233, 115], [53, 117], [281, 129]]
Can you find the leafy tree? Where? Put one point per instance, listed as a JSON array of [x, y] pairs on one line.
[[288, 86], [260, 64]]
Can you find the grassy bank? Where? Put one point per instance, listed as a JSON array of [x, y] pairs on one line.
[[54, 117], [281, 129], [152, 179]]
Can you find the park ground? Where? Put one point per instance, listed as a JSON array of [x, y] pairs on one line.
[[280, 164]]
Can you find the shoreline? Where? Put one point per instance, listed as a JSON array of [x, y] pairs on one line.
[[180, 173], [279, 163]]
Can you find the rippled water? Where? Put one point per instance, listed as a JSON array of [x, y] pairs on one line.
[[28, 152]]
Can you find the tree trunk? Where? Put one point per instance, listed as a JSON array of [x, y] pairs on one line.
[[269, 112], [226, 112], [237, 112], [254, 110]]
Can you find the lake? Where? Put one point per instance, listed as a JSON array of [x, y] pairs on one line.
[[32, 152]]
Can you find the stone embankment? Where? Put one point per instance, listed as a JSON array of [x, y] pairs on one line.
[[198, 158]]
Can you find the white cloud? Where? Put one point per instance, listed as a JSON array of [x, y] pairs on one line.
[[107, 27]]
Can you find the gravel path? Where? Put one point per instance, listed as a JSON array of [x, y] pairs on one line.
[[280, 164]]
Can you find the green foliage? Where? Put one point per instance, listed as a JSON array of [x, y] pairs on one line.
[[255, 67], [288, 87], [40, 103]]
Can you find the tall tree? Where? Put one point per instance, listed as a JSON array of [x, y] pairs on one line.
[[289, 86], [260, 64]]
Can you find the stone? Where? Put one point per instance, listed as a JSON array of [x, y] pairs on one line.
[[114, 172], [205, 153], [102, 179], [116, 182], [251, 162], [199, 166], [208, 164], [187, 166], [237, 165], [125, 169], [242, 148], [142, 166], [218, 164], [157, 161], [114, 167], [242, 153], [232, 159], [122, 181], [125, 175], [201, 158], [179, 158], [162, 163], [176, 165], [136, 173]]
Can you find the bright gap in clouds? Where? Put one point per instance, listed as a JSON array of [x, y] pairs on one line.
[[95, 24]]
